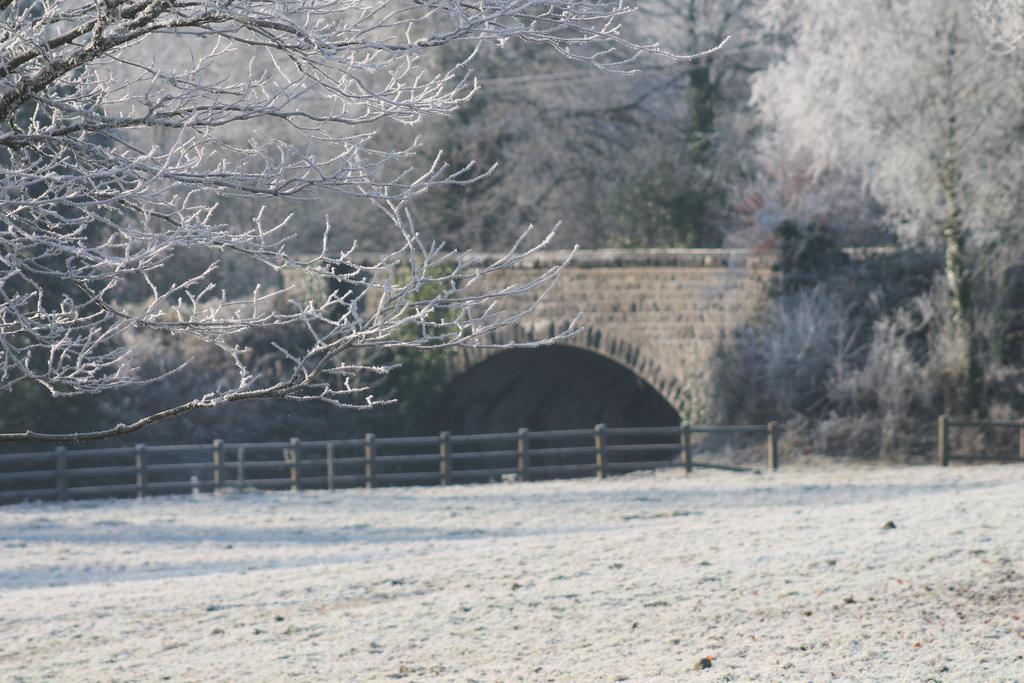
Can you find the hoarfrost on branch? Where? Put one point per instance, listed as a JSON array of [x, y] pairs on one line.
[[123, 123], [1003, 21]]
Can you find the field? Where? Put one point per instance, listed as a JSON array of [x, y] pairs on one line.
[[815, 573]]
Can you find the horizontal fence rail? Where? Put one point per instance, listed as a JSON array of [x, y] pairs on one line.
[[947, 425], [143, 470]]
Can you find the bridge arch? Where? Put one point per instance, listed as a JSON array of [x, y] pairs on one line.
[[629, 355], [582, 381], [660, 313]]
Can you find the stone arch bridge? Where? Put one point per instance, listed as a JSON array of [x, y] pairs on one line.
[[651, 318], [659, 313]]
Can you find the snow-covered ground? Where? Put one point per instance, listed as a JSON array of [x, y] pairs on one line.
[[784, 576]]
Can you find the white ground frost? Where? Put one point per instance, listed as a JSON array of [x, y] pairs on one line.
[[784, 576]]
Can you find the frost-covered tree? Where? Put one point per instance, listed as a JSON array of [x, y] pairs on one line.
[[907, 95], [1003, 21], [698, 123], [123, 124], [644, 160]]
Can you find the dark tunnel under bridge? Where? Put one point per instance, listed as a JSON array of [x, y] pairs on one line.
[[551, 387]]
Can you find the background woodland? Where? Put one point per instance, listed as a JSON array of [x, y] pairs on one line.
[[818, 127]]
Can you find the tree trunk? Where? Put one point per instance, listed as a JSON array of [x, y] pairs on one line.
[[958, 281], [954, 234]]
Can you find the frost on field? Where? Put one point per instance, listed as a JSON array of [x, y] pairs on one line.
[[793, 575]]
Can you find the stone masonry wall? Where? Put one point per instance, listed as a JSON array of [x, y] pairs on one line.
[[658, 312]]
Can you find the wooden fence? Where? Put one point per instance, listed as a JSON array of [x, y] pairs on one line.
[[370, 461], [946, 424]]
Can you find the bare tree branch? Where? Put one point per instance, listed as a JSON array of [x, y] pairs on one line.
[[95, 215]]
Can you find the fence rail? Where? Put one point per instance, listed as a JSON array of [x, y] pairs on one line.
[[946, 456], [370, 461]]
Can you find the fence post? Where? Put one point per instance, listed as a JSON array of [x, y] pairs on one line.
[[443, 455], [599, 451], [61, 466], [140, 470], [218, 464], [241, 468], [1020, 444], [329, 455], [370, 451], [295, 449], [773, 447], [684, 436], [523, 453], [943, 434]]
